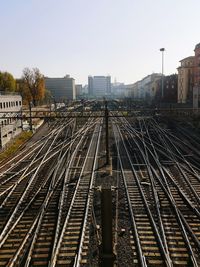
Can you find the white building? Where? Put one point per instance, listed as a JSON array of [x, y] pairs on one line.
[[99, 86], [118, 89], [10, 106], [145, 89], [79, 90]]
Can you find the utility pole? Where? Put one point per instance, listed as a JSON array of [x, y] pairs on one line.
[[21, 117], [107, 255], [55, 105], [107, 133], [30, 113]]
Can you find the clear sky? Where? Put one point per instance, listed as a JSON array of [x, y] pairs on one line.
[[121, 38]]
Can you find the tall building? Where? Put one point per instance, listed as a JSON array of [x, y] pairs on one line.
[[99, 86], [118, 89], [79, 90], [186, 79], [9, 127], [62, 89], [189, 78], [197, 65]]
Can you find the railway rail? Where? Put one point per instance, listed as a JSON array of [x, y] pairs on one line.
[[47, 194], [35, 198], [162, 194]]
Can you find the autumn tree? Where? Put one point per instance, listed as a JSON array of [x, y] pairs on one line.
[[7, 82], [33, 85]]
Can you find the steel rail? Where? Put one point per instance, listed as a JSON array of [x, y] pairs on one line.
[[52, 154], [155, 192], [162, 247], [197, 198], [58, 245], [64, 189], [179, 215], [182, 227], [30, 151], [25, 171], [6, 232], [141, 257], [179, 218], [77, 262], [24, 194]]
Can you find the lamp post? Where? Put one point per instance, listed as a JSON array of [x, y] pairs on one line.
[[162, 92]]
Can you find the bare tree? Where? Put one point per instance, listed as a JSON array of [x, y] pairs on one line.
[[33, 85]]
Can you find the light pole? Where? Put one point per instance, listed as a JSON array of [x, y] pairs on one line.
[[162, 92]]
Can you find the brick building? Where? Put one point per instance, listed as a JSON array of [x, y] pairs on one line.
[[197, 65]]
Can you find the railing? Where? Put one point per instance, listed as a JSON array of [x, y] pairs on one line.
[[9, 93]]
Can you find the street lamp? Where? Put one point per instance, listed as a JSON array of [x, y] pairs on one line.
[[162, 92]]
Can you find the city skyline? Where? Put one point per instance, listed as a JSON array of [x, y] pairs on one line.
[[97, 38]]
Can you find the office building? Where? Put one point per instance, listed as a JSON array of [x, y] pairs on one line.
[[99, 86], [79, 90], [61, 89]]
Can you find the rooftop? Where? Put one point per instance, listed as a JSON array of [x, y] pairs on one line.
[[187, 58]]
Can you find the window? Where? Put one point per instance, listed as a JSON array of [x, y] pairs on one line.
[[20, 103], [16, 103], [0, 105], [4, 104]]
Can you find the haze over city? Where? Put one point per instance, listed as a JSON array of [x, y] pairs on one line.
[[119, 38], [100, 133]]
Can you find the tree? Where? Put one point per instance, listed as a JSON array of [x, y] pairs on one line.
[[33, 85], [7, 82]]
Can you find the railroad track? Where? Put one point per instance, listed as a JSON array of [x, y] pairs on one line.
[[46, 196], [35, 203], [166, 205]]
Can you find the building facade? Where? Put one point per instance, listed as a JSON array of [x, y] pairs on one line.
[[99, 86], [9, 127], [61, 89], [189, 78], [197, 65], [79, 90], [170, 89], [186, 79], [118, 90], [146, 88]]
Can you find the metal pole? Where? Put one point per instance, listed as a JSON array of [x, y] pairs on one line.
[[21, 115], [107, 256], [30, 112], [107, 132], [162, 92], [55, 105]]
